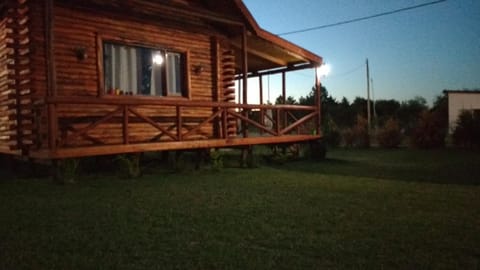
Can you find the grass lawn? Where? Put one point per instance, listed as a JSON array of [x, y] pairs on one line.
[[360, 209]]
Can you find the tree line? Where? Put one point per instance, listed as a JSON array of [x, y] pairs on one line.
[[411, 122]]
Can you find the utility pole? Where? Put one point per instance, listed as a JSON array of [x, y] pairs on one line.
[[373, 103], [368, 98]]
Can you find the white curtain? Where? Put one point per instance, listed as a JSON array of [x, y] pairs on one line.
[[123, 73], [173, 73], [156, 77]]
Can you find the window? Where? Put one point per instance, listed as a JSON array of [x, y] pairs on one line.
[[133, 70]]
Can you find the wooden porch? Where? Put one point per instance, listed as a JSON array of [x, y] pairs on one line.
[[74, 136]]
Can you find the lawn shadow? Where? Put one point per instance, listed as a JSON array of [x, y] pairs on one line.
[[441, 167]]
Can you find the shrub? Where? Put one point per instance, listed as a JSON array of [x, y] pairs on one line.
[[129, 165], [467, 129], [358, 135], [429, 131], [390, 135], [216, 160], [66, 171], [348, 137], [331, 135]]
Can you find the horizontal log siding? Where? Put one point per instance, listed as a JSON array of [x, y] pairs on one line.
[[16, 120], [7, 116], [77, 28]]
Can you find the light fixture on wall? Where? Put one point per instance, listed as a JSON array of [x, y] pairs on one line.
[[198, 69], [81, 53]]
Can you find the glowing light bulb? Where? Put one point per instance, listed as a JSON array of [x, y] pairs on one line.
[[323, 70], [157, 59]]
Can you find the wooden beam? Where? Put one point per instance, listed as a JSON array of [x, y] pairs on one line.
[[125, 125], [152, 123], [318, 102], [165, 146], [298, 123], [262, 112], [100, 71], [245, 65], [246, 119], [261, 54], [153, 11], [179, 123], [245, 79], [139, 101], [279, 70]]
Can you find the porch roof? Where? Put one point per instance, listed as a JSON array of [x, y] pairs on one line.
[[266, 51]]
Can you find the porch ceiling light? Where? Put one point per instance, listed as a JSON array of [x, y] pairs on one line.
[[323, 70]]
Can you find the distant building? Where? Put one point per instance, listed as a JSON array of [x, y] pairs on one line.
[[460, 100]]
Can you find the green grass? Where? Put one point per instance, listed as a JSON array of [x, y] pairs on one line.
[[360, 209]]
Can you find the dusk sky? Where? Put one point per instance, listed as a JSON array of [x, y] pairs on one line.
[[417, 52]]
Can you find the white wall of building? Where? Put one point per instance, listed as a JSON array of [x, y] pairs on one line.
[[461, 100]]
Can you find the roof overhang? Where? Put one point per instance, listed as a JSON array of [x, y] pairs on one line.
[[267, 51]]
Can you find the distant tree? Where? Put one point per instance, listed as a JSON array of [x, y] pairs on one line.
[[440, 107], [289, 100], [389, 136], [386, 109], [309, 99], [428, 132], [345, 117], [359, 106], [467, 129], [409, 112]]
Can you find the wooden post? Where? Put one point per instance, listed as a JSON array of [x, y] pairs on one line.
[[125, 125], [284, 88], [224, 123], [278, 121], [284, 95], [318, 102], [245, 79], [215, 44], [262, 111], [101, 78], [179, 123]]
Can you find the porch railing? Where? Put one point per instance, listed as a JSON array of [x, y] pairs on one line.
[[273, 121]]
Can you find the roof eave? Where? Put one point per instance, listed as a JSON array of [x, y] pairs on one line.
[[285, 44]]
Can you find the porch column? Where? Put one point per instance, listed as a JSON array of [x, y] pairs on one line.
[[318, 101], [262, 111], [284, 88], [284, 98], [245, 78]]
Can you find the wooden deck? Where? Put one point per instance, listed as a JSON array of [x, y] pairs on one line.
[[84, 135]]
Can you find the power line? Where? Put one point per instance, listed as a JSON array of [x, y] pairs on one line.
[[347, 72], [361, 18]]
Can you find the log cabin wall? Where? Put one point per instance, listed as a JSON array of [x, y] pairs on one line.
[[78, 27], [16, 120], [6, 53]]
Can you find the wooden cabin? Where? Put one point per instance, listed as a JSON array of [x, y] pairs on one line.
[[96, 77]]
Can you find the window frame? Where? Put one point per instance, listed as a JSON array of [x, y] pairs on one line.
[[134, 42]]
